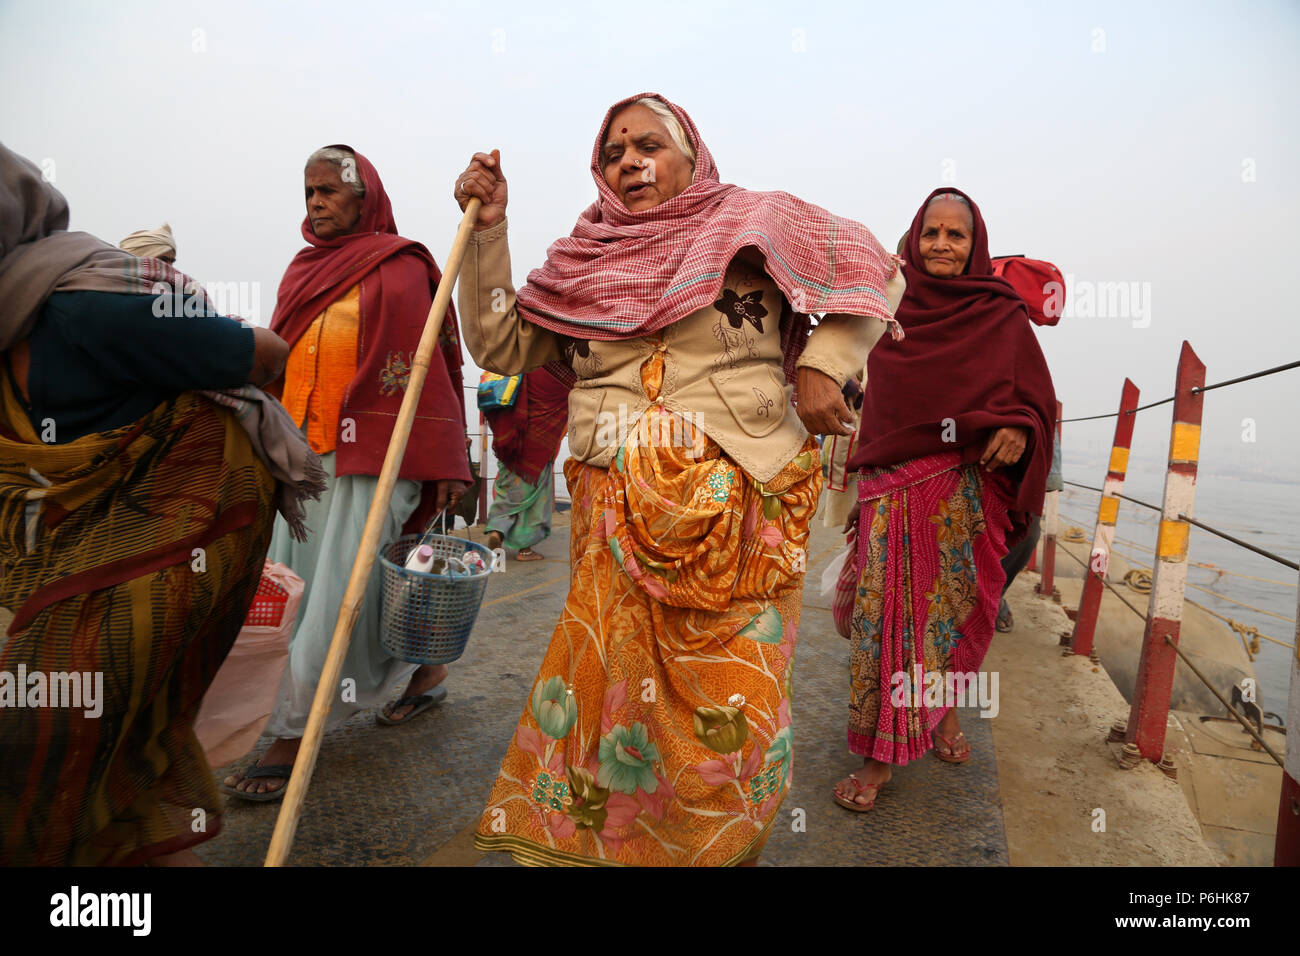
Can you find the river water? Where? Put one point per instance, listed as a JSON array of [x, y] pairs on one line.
[[1260, 511]]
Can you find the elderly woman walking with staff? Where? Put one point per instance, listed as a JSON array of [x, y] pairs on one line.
[[953, 455], [658, 728]]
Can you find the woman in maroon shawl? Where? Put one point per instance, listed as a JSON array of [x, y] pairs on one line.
[[526, 438], [352, 306], [953, 455]]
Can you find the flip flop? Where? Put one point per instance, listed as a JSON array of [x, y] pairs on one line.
[[951, 756], [852, 804], [418, 702], [280, 771], [528, 554]]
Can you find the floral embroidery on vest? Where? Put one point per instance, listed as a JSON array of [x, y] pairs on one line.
[[735, 311], [585, 362]]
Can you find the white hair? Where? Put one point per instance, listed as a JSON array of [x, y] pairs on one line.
[[960, 200], [670, 120], [344, 160], [955, 197]]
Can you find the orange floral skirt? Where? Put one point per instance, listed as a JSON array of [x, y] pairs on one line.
[[658, 730]]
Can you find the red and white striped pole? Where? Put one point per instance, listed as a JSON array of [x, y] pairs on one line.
[[1287, 849], [1051, 519], [1103, 537], [1155, 676]]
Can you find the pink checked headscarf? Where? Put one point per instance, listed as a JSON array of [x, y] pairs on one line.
[[622, 274]]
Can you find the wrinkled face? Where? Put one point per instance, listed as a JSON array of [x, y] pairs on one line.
[[333, 208], [947, 233], [641, 162]]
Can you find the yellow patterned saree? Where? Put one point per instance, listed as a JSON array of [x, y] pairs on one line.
[[128, 557], [658, 730]]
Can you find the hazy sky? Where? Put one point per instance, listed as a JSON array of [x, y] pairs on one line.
[[1151, 145]]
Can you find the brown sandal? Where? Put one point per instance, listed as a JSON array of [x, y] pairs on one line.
[[852, 803], [952, 756]]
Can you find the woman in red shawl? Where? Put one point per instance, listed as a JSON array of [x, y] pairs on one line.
[[525, 439], [658, 729], [352, 306], [953, 454]]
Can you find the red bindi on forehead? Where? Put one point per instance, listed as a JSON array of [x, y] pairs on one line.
[[624, 129]]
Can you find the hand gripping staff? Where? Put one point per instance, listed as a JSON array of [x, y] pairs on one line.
[[287, 822]]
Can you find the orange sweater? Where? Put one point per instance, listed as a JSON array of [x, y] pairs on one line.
[[321, 366]]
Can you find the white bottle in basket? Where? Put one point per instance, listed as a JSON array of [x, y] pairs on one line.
[[420, 559]]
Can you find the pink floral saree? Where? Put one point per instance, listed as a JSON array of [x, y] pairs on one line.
[[931, 537]]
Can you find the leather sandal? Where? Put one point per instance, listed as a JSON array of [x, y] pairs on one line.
[[274, 771], [418, 703], [852, 803], [952, 756]]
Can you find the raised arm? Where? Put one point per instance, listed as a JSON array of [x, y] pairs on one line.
[[498, 339]]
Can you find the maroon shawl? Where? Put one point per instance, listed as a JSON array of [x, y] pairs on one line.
[[398, 279], [526, 436], [622, 274], [969, 356]]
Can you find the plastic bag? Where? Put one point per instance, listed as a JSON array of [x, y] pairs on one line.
[[832, 573]]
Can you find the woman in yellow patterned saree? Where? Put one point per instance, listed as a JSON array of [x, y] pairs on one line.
[[658, 731], [135, 513]]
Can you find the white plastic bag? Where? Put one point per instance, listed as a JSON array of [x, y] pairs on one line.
[[832, 572]]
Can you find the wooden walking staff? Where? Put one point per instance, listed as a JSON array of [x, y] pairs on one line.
[[287, 822]]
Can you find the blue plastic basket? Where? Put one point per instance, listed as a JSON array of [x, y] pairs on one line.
[[427, 618]]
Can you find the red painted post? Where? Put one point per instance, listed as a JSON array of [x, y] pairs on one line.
[[1155, 675], [482, 469], [1286, 851], [1103, 538], [1051, 518]]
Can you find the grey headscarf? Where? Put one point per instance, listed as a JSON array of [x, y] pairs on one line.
[[37, 253]]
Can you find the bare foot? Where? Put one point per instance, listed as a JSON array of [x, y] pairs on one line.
[[283, 751], [870, 777], [494, 540], [425, 679]]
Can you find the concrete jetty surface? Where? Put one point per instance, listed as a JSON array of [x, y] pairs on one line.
[[1040, 770]]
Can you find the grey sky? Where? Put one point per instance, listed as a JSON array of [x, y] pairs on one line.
[[1153, 147]]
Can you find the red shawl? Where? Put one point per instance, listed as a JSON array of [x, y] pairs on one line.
[[622, 274], [970, 361], [526, 437], [398, 278]]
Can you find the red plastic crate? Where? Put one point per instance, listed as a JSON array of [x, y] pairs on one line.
[[268, 605]]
